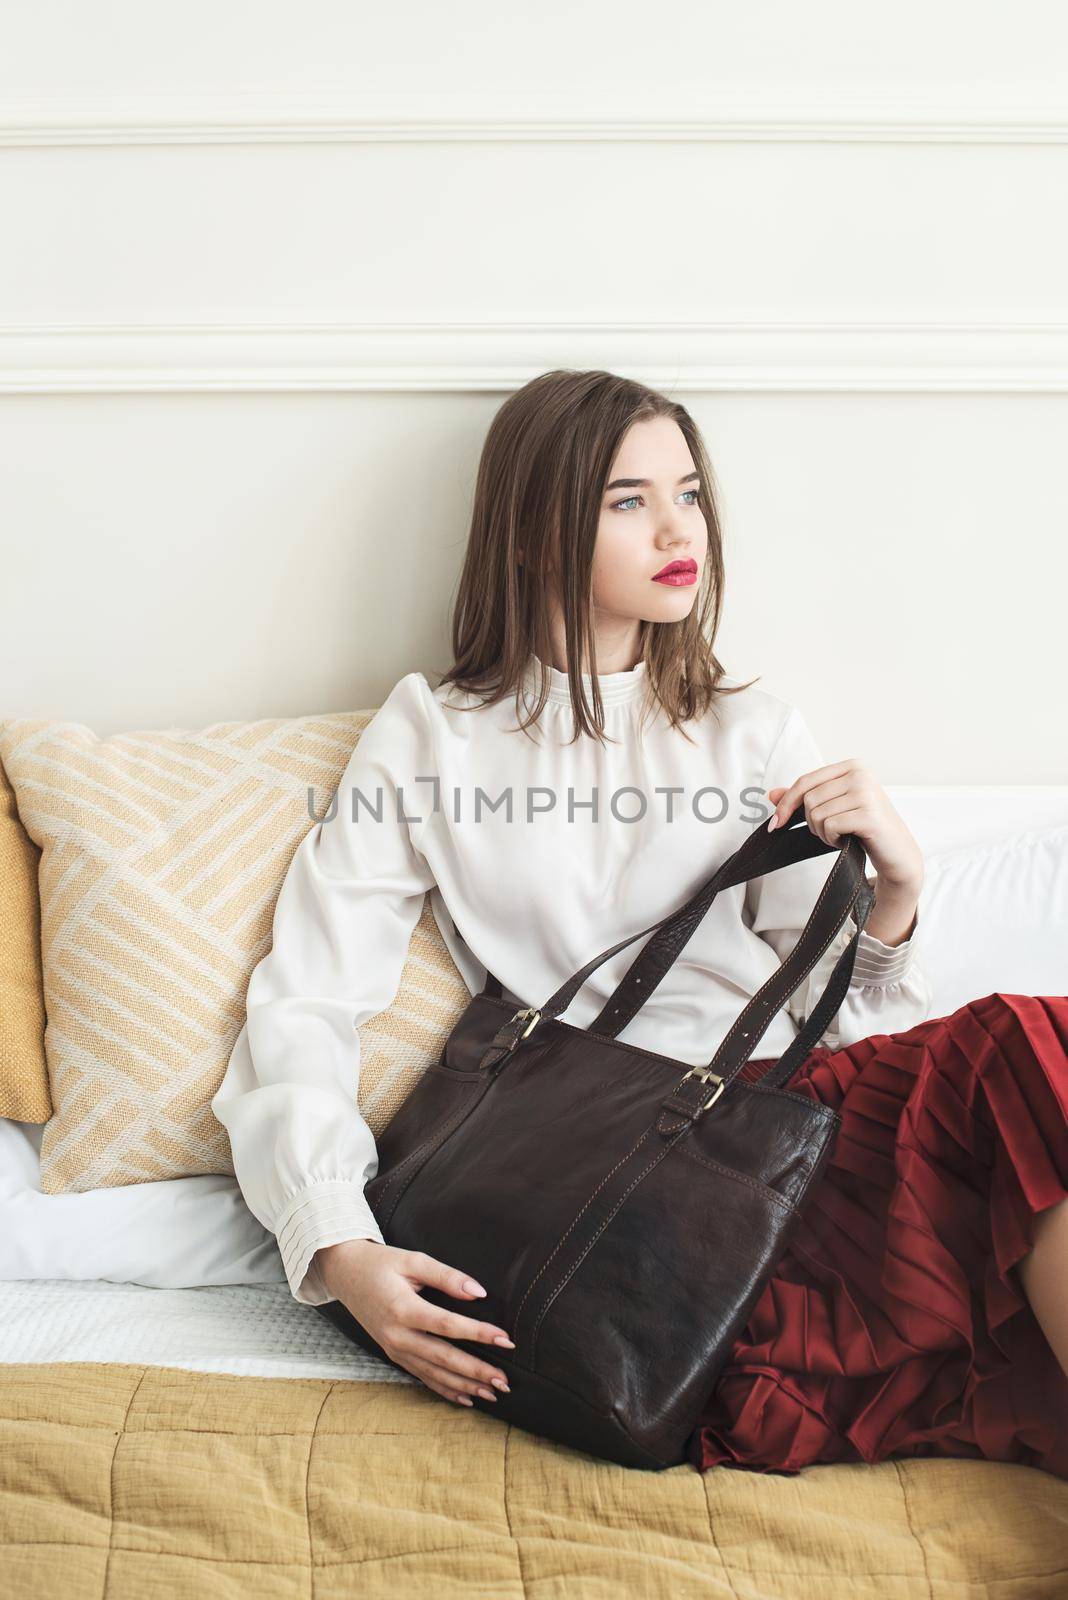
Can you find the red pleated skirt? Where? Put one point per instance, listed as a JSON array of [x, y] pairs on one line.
[[895, 1323]]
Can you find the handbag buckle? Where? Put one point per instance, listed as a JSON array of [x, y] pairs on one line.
[[535, 1018], [706, 1075], [506, 1039]]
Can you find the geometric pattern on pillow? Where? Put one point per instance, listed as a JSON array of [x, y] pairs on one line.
[[162, 857]]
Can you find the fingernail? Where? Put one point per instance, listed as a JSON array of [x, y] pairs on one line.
[[472, 1287], [501, 1383], [463, 1400], [508, 1343], [774, 823]]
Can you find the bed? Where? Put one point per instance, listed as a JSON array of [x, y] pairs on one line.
[[188, 1429]]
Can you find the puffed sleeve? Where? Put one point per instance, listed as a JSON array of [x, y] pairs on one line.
[[343, 920], [889, 990]]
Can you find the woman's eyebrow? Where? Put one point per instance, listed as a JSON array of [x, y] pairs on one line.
[[644, 483]]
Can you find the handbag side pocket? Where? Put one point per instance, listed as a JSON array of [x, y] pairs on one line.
[[438, 1104]]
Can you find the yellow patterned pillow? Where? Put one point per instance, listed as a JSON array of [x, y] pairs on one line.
[[23, 1072], [162, 856]]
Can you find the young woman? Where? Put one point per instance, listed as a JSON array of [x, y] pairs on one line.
[[922, 1307]]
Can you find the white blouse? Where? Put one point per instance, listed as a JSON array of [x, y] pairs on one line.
[[545, 852]]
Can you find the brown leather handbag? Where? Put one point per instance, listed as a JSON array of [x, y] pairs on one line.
[[622, 1209]]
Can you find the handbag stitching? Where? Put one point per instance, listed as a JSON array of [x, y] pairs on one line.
[[788, 1212], [828, 1113], [660, 1155], [830, 1116], [574, 1224], [739, 1177]]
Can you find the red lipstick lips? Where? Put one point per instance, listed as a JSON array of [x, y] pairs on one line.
[[677, 573]]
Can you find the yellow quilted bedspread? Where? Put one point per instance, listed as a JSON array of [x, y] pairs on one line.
[[153, 1483]]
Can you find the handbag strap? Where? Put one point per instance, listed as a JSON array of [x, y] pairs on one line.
[[761, 852], [838, 900], [687, 1100], [845, 891]]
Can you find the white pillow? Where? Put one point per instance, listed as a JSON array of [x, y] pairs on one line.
[[995, 919], [175, 1234]]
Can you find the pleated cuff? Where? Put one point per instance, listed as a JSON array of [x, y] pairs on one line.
[[323, 1213], [878, 964]]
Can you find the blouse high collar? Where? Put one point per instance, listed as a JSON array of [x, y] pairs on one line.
[[614, 686]]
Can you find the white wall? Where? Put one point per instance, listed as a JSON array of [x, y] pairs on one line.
[[268, 270]]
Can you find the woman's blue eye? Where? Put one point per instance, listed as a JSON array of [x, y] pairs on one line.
[[631, 498]]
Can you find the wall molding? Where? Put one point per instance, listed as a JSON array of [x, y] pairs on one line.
[[722, 113], [994, 355]]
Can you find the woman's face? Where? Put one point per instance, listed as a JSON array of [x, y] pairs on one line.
[[647, 525]]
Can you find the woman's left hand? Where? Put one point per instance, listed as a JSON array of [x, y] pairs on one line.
[[843, 797]]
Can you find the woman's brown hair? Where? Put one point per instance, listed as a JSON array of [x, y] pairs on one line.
[[538, 492]]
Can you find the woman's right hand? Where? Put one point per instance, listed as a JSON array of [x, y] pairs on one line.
[[379, 1285]]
